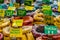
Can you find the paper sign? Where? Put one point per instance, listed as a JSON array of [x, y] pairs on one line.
[[17, 22], [28, 2], [9, 13], [50, 29], [11, 8], [2, 13], [29, 7], [1, 1], [47, 10], [15, 32], [21, 12]]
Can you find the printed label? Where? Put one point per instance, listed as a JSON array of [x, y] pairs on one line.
[[50, 29]]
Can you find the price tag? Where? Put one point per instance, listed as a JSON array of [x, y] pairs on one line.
[[2, 13], [15, 32], [47, 10], [50, 29], [9, 13], [29, 7], [1, 1], [28, 2], [21, 12], [17, 22], [11, 8]]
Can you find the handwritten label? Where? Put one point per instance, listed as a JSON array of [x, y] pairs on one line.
[[50, 29], [2, 13], [9, 13], [15, 32], [21, 12], [17, 22]]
